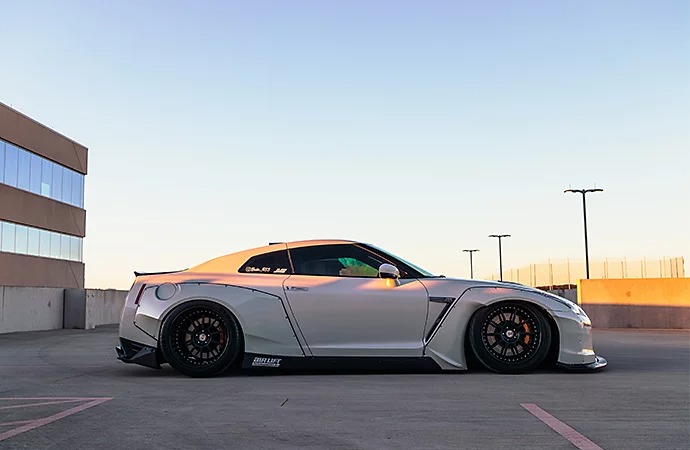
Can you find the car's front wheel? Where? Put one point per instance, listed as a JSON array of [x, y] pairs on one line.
[[510, 337], [200, 339]]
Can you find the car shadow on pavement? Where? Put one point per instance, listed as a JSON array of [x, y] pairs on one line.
[[167, 372]]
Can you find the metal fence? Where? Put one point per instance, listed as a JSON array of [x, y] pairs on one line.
[[566, 272]]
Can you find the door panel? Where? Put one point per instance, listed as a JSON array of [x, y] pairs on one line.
[[349, 316]]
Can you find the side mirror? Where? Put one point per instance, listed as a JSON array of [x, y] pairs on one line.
[[389, 271]]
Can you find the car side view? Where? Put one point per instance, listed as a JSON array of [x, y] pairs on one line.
[[331, 303]]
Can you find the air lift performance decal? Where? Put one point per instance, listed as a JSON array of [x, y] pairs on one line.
[[251, 269], [266, 362]]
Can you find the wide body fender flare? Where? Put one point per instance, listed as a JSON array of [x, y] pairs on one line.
[[445, 343]]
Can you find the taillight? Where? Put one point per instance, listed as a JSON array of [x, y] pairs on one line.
[[141, 291]]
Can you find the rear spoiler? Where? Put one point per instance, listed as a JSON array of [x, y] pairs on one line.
[[142, 274]]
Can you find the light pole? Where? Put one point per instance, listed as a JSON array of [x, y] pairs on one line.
[[471, 267], [500, 256], [584, 192]]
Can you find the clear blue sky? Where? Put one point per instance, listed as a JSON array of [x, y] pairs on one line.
[[421, 127]]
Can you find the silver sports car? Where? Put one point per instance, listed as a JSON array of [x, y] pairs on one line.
[[334, 303]]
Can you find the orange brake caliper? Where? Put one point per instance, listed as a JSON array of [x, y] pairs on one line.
[[527, 330]]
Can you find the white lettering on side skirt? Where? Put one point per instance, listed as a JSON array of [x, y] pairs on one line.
[[266, 362]]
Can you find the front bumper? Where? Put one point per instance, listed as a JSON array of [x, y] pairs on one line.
[[599, 363], [131, 352]]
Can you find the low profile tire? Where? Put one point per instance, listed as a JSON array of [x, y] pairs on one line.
[[200, 339], [510, 337]]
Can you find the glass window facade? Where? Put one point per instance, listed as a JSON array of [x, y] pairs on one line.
[[11, 164], [2, 161], [15, 238], [27, 171]]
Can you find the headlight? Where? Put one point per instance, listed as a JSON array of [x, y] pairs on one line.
[[576, 308]]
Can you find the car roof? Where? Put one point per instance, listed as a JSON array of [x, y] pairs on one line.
[[233, 261]]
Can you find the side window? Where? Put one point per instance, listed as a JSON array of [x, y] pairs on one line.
[[343, 260], [274, 262]]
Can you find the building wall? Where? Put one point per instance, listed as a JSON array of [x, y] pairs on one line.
[[38, 211], [636, 302], [25, 270], [27, 208], [26, 132]]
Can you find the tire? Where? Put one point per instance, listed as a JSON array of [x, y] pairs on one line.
[[505, 347], [201, 339]]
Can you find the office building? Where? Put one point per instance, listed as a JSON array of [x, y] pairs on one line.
[[42, 215]]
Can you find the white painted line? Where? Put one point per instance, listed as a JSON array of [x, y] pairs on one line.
[[575, 438], [46, 420], [18, 422], [49, 398], [28, 405]]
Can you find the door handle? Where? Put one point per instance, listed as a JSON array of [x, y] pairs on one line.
[[297, 288]]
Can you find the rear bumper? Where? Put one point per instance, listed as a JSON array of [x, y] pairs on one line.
[[599, 363], [131, 352]]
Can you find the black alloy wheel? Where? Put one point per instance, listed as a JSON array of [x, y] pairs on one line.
[[510, 337], [200, 339]]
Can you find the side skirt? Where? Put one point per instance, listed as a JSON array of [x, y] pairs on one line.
[[351, 364]]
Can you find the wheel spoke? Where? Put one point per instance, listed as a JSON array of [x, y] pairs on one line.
[[524, 327], [193, 323], [498, 342]]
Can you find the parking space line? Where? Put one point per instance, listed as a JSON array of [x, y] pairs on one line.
[[47, 398], [18, 422], [46, 420], [27, 405], [575, 438]]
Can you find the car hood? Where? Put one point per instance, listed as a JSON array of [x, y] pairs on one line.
[[454, 287]]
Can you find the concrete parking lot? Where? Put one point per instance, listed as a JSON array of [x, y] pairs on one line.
[[65, 389]]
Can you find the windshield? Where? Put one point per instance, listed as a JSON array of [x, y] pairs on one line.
[[424, 273]]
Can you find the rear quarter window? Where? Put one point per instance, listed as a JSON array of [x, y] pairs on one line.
[[268, 263]]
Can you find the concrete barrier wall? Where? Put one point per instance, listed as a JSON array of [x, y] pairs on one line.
[[636, 302], [103, 307], [611, 303], [36, 309], [570, 294], [30, 309]]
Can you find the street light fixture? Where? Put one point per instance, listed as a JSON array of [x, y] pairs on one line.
[[471, 266], [500, 255], [584, 192]]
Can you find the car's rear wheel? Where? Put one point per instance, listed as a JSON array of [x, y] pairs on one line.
[[510, 337], [200, 339]]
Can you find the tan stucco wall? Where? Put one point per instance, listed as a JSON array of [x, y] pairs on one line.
[[25, 132], [24, 270], [27, 208]]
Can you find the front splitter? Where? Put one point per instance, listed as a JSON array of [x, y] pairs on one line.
[[599, 363]]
